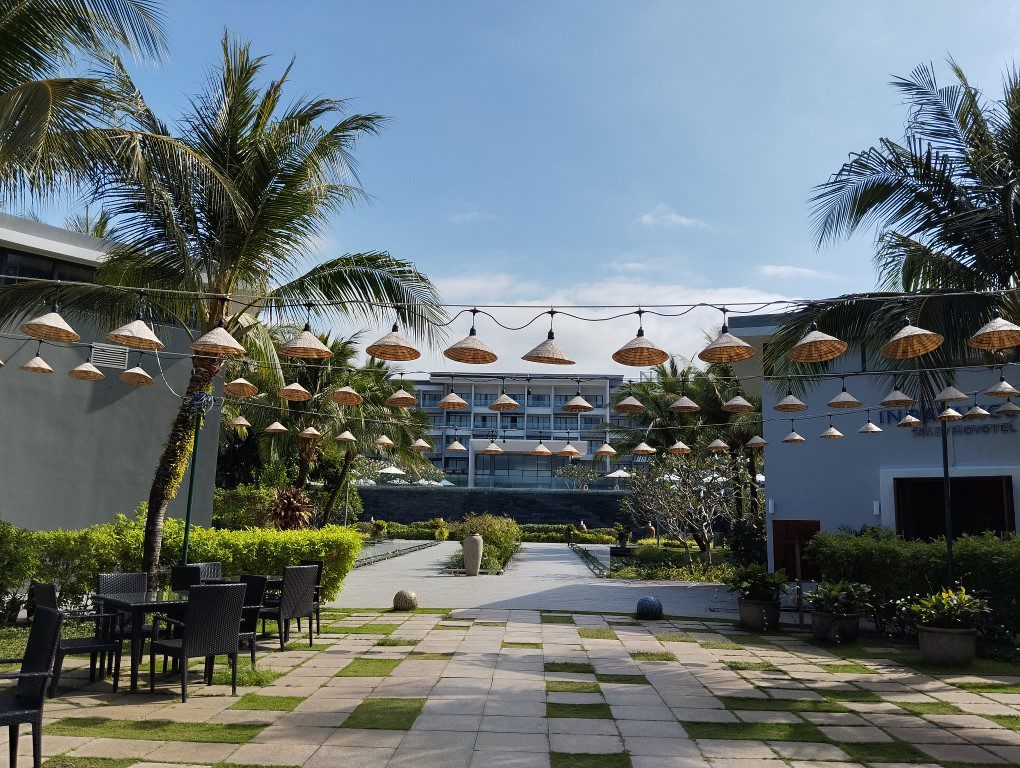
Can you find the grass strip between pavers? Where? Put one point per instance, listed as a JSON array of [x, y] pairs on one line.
[[302, 645], [930, 707], [781, 705], [391, 641], [654, 656], [571, 686], [850, 667], [554, 618], [589, 760], [1006, 721], [533, 646], [369, 668], [716, 645], [883, 752], [596, 633], [755, 731], [752, 666], [622, 679], [271, 703], [68, 761], [385, 714], [855, 694], [989, 687], [675, 637], [156, 730], [426, 656], [585, 711], [370, 629], [574, 667]]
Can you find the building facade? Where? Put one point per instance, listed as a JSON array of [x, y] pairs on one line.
[[892, 478], [74, 452], [539, 417]]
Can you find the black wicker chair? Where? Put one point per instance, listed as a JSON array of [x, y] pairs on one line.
[[184, 577], [25, 703], [254, 597], [211, 627], [318, 589], [297, 599], [211, 571], [113, 583]]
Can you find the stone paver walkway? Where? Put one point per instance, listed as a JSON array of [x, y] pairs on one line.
[[501, 688], [540, 577]]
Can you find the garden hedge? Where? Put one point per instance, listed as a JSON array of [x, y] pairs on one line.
[[72, 559], [986, 565]]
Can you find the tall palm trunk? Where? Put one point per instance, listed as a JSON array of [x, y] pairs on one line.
[[172, 464], [334, 494]]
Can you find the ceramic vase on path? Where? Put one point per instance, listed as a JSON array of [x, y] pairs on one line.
[[472, 546]]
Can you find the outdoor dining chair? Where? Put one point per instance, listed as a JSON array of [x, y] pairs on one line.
[[318, 589], [211, 628], [211, 571], [184, 577], [114, 583], [254, 597], [25, 703], [297, 599]]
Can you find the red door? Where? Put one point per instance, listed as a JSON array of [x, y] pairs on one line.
[[786, 535]]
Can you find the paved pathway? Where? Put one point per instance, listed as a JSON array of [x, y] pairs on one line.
[[541, 577]]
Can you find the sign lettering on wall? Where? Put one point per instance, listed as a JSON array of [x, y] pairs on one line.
[[996, 424]]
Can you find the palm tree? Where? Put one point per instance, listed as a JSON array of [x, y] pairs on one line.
[[282, 169], [945, 203]]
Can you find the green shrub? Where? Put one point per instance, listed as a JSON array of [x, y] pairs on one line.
[[246, 506], [17, 563], [501, 535], [896, 569], [747, 538], [840, 597], [948, 609], [558, 534], [753, 582]]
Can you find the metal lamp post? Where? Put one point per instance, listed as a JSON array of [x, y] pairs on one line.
[[199, 405], [947, 498]]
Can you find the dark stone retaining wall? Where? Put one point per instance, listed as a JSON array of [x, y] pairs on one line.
[[406, 504]]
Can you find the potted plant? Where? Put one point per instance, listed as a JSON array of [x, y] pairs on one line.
[[758, 592], [836, 610], [622, 541], [947, 626]]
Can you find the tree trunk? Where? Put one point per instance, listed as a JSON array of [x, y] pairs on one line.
[[327, 513], [737, 485], [752, 468], [307, 450], [173, 462]]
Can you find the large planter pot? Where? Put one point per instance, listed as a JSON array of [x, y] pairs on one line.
[[947, 647], [836, 628], [758, 614], [472, 546], [617, 551]]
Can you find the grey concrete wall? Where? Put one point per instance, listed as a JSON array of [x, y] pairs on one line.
[[405, 504], [74, 453]]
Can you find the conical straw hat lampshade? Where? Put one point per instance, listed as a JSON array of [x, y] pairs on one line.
[[541, 450], [306, 346], [643, 449], [871, 428], [36, 365], [401, 399], [50, 327], [471, 350], [737, 404], [793, 438], [548, 352], [276, 428], [420, 445], [897, 399], [718, 446], [844, 400], [217, 342], [639, 351], [346, 396], [1003, 389], [790, 404], [816, 347], [310, 433], [491, 449], [976, 413], [756, 443], [295, 393], [629, 404], [453, 402], [383, 442], [996, 334], [393, 346], [504, 403], [136, 377], [240, 388], [578, 404], [911, 341], [908, 421], [1008, 407], [831, 434], [240, 422], [684, 404], [86, 372], [569, 451], [605, 450], [456, 447], [136, 335], [726, 348], [679, 448], [346, 437]]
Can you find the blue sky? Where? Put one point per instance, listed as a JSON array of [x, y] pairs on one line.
[[602, 152]]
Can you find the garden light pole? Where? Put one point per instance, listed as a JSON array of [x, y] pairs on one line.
[[199, 405], [948, 504]]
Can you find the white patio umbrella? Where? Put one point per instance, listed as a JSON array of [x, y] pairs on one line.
[[618, 474], [391, 470]]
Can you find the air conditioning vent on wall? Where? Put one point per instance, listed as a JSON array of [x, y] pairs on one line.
[[109, 356]]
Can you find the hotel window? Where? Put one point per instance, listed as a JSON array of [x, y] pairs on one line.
[[513, 422], [430, 399], [25, 266], [458, 419], [539, 422], [485, 421], [565, 423], [538, 401], [484, 398]]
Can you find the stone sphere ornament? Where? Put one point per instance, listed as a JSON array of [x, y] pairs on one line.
[[405, 600], [650, 608]]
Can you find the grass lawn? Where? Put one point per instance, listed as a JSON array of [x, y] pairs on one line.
[[583, 760], [979, 667], [675, 637], [385, 714], [535, 646], [554, 618], [1006, 721], [597, 633], [930, 707], [654, 656], [12, 645], [453, 627], [756, 666], [370, 629], [884, 752], [989, 687], [302, 645], [781, 705], [425, 656], [397, 641], [755, 731], [158, 730], [369, 668], [852, 667], [66, 761], [490, 623], [571, 686], [272, 703], [855, 694], [717, 645], [586, 711], [623, 679], [570, 666], [246, 675]]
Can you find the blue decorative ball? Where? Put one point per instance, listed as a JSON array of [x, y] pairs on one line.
[[649, 608]]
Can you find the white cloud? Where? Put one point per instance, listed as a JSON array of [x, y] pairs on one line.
[[466, 217], [664, 216], [788, 271]]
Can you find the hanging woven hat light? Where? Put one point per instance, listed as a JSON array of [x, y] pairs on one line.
[[831, 433], [844, 400], [217, 342], [790, 404], [541, 450], [420, 446], [643, 449], [310, 433], [816, 347], [793, 438], [950, 414], [871, 428], [569, 451], [453, 402], [401, 399], [950, 395], [86, 371], [605, 451], [456, 447], [911, 341], [549, 351], [726, 348], [1008, 407], [346, 437], [306, 345], [51, 326], [976, 413], [908, 421], [756, 443], [684, 404], [276, 428], [393, 346], [996, 334], [137, 376], [718, 446], [346, 395], [639, 351], [629, 404], [504, 402], [295, 393], [492, 449], [738, 404], [37, 364], [1003, 389], [240, 423], [578, 404], [240, 388], [383, 442], [679, 448], [471, 349], [136, 334], [897, 399]]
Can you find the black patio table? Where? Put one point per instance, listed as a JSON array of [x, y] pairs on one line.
[[138, 604]]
